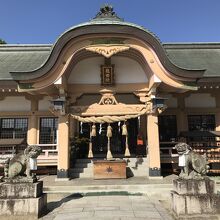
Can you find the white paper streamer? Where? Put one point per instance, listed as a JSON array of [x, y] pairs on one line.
[[182, 160], [100, 128], [33, 163], [119, 127], [139, 122], [81, 127]]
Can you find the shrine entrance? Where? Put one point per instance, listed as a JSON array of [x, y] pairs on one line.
[[117, 141]]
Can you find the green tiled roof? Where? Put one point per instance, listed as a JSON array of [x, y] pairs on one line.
[[196, 55], [21, 58], [189, 56]]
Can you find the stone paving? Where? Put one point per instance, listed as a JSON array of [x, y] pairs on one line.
[[106, 207]]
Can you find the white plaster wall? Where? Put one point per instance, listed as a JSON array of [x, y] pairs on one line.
[[200, 100], [15, 103], [44, 103], [126, 71], [171, 101]]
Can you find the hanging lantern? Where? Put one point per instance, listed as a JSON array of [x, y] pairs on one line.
[[59, 105], [159, 104]]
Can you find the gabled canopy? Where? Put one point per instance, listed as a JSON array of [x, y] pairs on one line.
[[106, 28]]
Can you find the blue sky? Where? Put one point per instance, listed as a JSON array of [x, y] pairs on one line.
[[42, 21]]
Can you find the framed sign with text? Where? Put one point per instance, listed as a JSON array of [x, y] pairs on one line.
[[107, 74]]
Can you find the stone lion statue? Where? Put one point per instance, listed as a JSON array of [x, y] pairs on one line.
[[18, 168], [193, 165]]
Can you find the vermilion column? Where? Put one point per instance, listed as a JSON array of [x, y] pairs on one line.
[[63, 147], [153, 145]]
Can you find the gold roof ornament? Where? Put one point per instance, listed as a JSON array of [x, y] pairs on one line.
[[107, 50]]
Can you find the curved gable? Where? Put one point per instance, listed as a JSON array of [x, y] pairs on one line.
[[106, 29]]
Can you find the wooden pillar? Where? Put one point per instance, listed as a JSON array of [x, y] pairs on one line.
[[33, 124], [217, 115], [153, 145], [217, 121], [182, 121], [63, 147], [143, 127], [73, 127]]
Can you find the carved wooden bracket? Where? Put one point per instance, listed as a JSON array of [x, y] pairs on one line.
[[73, 97], [108, 99], [143, 96], [107, 50], [108, 105]]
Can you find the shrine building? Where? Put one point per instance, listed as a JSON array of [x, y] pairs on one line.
[[110, 89]]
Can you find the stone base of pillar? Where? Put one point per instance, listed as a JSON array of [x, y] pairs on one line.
[[191, 198], [22, 200], [63, 174], [154, 172]]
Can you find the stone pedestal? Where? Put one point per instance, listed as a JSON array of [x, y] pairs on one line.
[[22, 200], [194, 197]]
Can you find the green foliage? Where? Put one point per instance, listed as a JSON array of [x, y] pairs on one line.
[[79, 147], [79, 141], [2, 41]]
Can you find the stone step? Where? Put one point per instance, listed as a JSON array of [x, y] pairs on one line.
[[83, 165], [137, 165], [83, 161], [88, 167], [81, 175], [89, 174], [133, 162], [133, 159], [81, 169], [140, 167], [138, 174], [156, 190]]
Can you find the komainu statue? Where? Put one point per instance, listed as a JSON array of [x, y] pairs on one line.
[[193, 165], [18, 169]]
